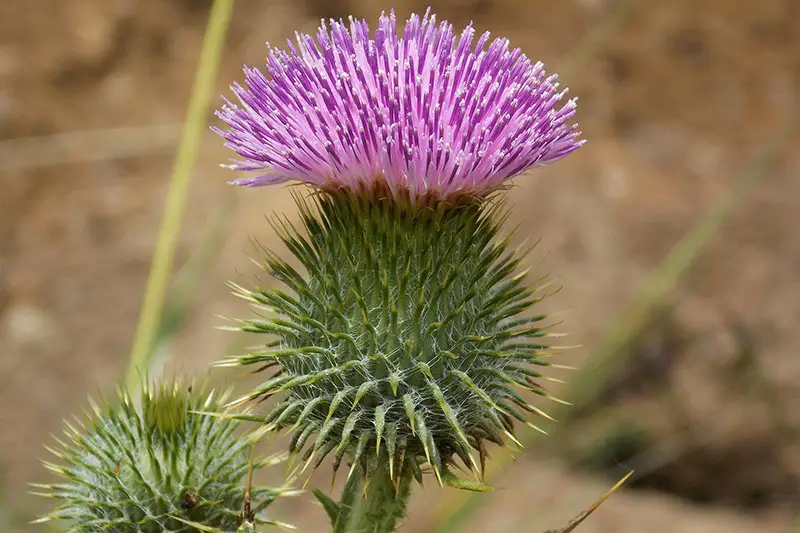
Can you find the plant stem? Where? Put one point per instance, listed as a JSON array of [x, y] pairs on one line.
[[376, 507]]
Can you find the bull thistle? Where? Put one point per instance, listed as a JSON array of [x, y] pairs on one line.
[[406, 344], [163, 465]]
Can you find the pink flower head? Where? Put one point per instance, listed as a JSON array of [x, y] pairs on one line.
[[424, 115]]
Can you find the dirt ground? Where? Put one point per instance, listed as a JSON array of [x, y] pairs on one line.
[[676, 98]]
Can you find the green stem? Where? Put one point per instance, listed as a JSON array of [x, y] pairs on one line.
[[376, 507]]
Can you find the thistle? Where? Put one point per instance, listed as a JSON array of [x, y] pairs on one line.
[[153, 467], [406, 342], [405, 336]]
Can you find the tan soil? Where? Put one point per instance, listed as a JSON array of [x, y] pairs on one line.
[[675, 102]]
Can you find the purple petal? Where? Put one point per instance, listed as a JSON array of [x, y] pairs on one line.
[[258, 181], [424, 112]]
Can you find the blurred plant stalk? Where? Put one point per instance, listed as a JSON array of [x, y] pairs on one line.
[[199, 104]]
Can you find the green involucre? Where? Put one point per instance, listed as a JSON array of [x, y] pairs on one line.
[[404, 341], [151, 468]]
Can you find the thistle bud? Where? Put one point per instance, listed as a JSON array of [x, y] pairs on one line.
[[153, 467], [404, 340]]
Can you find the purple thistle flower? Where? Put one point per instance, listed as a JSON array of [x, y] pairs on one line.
[[422, 115]]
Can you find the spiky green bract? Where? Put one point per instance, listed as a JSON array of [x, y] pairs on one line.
[[404, 338], [144, 468]]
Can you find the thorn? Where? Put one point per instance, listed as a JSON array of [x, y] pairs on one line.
[[237, 403], [541, 413], [396, 485], [537, 428], [350, 472], [513, 439], [564, 347], [563, 367], [333, 479], [476, 469], [438, 475], [308, 479], [559, 400], [307, 463]]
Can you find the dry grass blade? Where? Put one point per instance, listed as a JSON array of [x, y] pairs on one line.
[[575, 522]]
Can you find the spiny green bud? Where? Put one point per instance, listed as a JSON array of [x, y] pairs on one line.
[[154, 466], [404, 342], [164, 409]]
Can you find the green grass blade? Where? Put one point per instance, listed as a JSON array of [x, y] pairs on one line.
[[192, 274], [193, 131]]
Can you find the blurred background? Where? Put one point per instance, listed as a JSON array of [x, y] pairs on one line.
[[687, 313]]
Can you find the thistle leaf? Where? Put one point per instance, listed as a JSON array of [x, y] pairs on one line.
[[331, 507]]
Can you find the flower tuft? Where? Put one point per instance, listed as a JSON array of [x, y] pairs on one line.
[[426, 114]]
